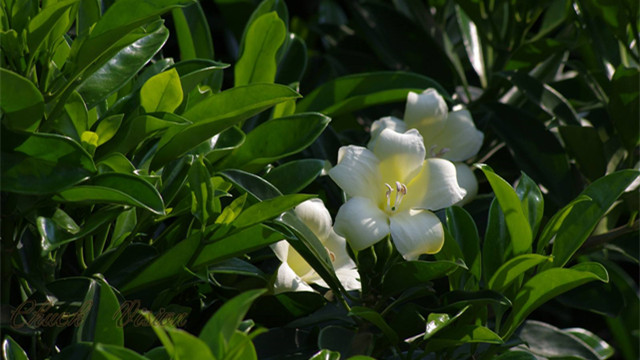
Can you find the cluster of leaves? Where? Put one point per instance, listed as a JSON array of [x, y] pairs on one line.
[[131, 180]]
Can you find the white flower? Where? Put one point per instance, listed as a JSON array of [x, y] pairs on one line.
[[392, 187], [295, 274], [448, 135]]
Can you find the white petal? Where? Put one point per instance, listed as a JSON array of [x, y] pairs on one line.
[[315, 215], [343, 265], [361, 222], [466, 180], [436, 187], [459, 137], [286, 254], [416, 232], [349, 278], [425, 112], [400, 154], [287, 280], [358, 174], [281, 249], [388, 122]]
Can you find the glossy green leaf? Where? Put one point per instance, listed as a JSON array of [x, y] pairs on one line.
[[530, 54], [293, 64], [268, 209], [242, 242], [294, 176], [116, 352], [100, 323], [276, 139], [547, 285], [218, 331], [438, 321], [256, 186], [11, 350], [553, 225], [75, 118], [218, 112], [265, 7], [134, 131], [116, 162], [122, 67], [472, 44], [201, 191], [497, 242], [584, 216], [459, 335], [108, 127], [548, 341], [407, 274], [516, 355], [193, 33], [544, 159], [52, 237], [512, 269], [532, 202], [162, 92], [20, 101], [458, 299], [221, 145], [257, 62], [544, 96], [463, 229], [42, 24], [88, 14], [187, 346], [624, 102], [196, 71], [517, 224], [354, 92], [584, 145], [326, 355], [376, 319], [42, 163], [598, 345], [116, 188]]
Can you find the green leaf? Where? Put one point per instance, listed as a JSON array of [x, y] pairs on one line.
[[512, 269], [193, 33], [407, 274], [41, 25], [222, 145], [472, 44], [585, 215], [20, 101], [528, 55], [11, 350], [268, 209], [497, 243], [349, 93], [553, 225], [293, 64], [517, 224], [598, 345], [236, 244], [135, 131], [257, 63], [122, 66], [516, 355], [202, 191], [584, 145], [532, 202], [218, 112], [218, 331], [296, 175], [438, 321], [544, 96], [624, 102], [376, 319], [459, 335], [75, 118], [162, 92], [325, 355], [194, 72], [100, 323], [108, 127], [115, 352], [276, 139], [544, 159], [42, 163], [256, 186], [548, 341], [463, 229], [547, 285], [187, 346], [116, 188]]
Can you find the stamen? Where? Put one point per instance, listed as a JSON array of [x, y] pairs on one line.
[[401, 191], [389, 190]]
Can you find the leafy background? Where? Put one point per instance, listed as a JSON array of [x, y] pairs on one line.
[[138, 163]]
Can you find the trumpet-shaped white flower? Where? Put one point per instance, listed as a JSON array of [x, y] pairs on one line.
[[392, 188], [448, 135], [295, 274]]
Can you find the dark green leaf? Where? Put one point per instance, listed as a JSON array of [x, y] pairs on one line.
[[219, 146], [294, 176], [624, 104], [463, 229], [553, 225], [218, 112], [294, 61], [116, 188], [354, 92], [257, 63], [472, 44], [512, 269], [100, 323], [516, 355], [412, 273], [258, 187], [41, 25], [376, 319], [529, 55], [268, 209], [496, 247], [532, 202], [42, 163], [599, 346], [122, 67], [458, 335], [20, 101], [12, 351], [192, 30], [276, 139], [202, 195], [546, 340], [135, 131], [584, 144]]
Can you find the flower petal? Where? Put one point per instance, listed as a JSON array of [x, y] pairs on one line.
[[416, 232], [357, 173], [285, 253], [459, 137], [401, 155], [436, 187], [287, 280], [315, 215], [466, 180], [387, 122], [361, 222], [426, 111]]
